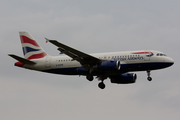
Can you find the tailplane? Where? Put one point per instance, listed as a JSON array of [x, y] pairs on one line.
[[30, 47], [22, 60]]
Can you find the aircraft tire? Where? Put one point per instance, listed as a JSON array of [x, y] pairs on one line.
[[101, 85], [90, 77], [149, 78]]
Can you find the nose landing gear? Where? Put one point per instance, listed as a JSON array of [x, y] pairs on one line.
[[148, 73]]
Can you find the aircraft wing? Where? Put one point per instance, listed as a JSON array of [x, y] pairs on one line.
[[83, 58]]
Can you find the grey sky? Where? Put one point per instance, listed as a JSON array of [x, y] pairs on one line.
[[90, 26]]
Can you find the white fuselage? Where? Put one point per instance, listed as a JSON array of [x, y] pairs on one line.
[[140, 61]]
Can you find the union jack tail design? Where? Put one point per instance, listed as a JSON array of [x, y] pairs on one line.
[[30, 47]]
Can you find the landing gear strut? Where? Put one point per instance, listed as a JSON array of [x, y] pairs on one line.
[[101, 85], [148, 73]]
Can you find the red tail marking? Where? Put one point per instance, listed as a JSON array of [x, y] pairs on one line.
[[37, 56], [25, 39], [19, 64]]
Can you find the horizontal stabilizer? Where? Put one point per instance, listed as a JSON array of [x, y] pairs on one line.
[[23, 60]]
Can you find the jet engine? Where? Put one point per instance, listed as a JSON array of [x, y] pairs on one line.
[[125, 78]]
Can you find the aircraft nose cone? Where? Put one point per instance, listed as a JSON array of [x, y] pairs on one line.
[[170, 61]]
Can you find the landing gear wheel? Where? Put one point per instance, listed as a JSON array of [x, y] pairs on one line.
[[90, 77], [101, 85], [149, 78], [148, 73]]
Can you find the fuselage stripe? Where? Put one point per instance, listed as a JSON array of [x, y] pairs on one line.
[[142, 53]]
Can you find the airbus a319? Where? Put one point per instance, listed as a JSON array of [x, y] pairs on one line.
[[113, 65]]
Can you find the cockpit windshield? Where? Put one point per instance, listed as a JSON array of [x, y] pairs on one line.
[[161, 54]]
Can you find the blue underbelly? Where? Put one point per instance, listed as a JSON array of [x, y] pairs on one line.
[[124, 68]]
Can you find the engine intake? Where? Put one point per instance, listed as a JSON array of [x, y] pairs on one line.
[[124, 78]]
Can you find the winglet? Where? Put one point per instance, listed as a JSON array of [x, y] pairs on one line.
[[47, 40]]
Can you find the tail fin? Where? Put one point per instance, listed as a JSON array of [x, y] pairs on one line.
[[30, 47]]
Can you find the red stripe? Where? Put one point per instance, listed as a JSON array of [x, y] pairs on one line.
[[37, 56], [25, 39], [19, 64], [142, 53]]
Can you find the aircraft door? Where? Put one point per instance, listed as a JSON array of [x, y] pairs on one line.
[[48, 62]]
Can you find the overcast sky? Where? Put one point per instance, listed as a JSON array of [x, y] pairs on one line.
[[90, 26]]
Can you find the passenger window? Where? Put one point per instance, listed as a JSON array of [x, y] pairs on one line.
[[158, 54]]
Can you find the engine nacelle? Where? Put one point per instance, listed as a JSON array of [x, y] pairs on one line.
[[108, 66], [124, 78]]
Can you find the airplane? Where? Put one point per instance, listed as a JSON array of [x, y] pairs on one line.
[[113, 65]]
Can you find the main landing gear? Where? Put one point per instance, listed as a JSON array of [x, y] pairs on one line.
[[101, 85], [148, 73], [90, 77]]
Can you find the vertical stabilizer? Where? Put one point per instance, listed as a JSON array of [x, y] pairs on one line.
[[30, 47]]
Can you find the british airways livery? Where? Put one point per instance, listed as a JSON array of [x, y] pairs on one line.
[[115, 65]]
